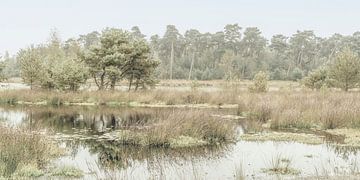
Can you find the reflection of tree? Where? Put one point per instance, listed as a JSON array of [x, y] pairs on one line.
[[73, 121], [98, 119], [73, 146], [68, 121], [116, 156]]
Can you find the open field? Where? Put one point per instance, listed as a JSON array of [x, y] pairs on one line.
[[178, 85]]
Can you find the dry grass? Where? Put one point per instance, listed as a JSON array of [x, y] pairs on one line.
[[19, 148], [179, 128], [283, 136], [281, 165], [285, 109], [116, 97], [239, 172], [303, 110]]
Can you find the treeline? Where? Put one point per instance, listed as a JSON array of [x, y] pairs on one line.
[[237, 53], [232, 53], [106, 57]]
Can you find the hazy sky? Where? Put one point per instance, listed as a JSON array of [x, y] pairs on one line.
[[23, 22]]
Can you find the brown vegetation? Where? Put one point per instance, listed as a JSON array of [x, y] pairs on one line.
[[20, 148], [179, 128], [284, 109]]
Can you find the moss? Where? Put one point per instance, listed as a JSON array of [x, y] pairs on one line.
[[134, 104], [68, 171], [186, 141], [115, 104], [291, 124], [283, 136], [29, 170]]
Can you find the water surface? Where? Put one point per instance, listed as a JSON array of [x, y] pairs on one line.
[[102, 158]]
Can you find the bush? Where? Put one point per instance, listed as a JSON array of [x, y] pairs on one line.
[[345, 70], [317, 79], [260, 83]]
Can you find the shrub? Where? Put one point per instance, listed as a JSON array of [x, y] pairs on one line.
[[317, 79], [345, 70], [260, 83]]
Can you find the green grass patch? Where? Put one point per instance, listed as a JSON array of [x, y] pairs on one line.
[[68, 171]]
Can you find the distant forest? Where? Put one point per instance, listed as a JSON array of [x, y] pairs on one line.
[[233, 53]]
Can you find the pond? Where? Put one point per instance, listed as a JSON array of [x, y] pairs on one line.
[[84, 131]]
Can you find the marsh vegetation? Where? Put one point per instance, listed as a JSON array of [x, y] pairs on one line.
[[112, 142]]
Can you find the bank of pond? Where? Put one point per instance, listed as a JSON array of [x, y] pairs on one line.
[[167, 143]]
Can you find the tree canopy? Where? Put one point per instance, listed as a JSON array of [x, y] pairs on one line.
[[120, 55], [233, 53]]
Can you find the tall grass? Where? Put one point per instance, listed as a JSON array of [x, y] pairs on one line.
[[117, 97], [280, 165], [304, 110], [180, 128], [285, 109], [239, 172], [19, 147]]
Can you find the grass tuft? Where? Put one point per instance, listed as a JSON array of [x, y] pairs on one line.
[[20, 147], [281, 165], [68, 171]]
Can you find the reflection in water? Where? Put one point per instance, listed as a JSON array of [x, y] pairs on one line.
[[108, 159], [96, 122], [112, 155]]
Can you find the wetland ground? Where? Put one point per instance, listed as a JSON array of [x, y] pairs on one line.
[[192, 134]]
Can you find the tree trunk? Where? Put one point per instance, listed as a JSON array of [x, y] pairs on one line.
[[112, 84], [31, 84], [101, 84], [192, 65], [102, 80], [137, 84], [288, 71], [171, 60], [130, 82], [346, 88], [243, 69]]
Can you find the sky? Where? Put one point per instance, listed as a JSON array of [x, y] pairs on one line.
[[25, 22]]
